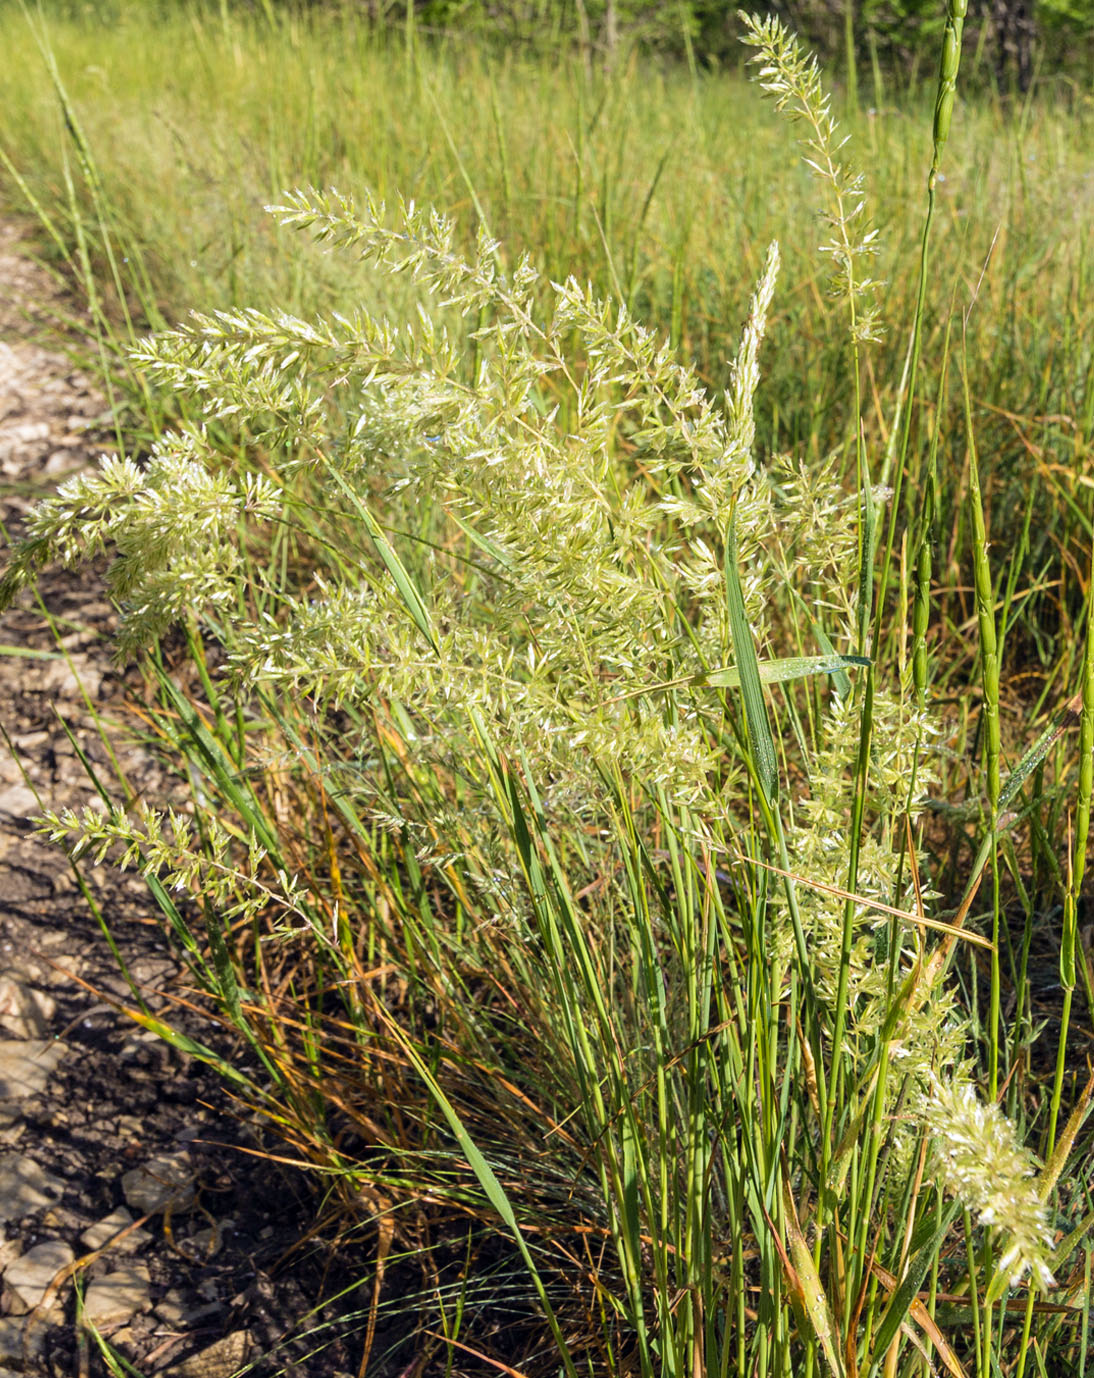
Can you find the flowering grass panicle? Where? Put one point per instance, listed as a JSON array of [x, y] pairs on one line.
[[980, 1162], [794, 79]]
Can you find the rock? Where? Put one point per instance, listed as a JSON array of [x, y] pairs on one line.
[[58, 1220], [72, 678], [174, 1311], [19, 802], [204, 1244], [112, 1300], [129, 1127], [171, 1309], [100, 1234], [151, 972], [219, 1360], [61, 463], [165, 1180], [26, 1065], [24, 1186], [25, 1013], [54, 973], [19, 1342], [57, 1117], [30, 741], [124, 1340], [21, 434], [27, 1279]]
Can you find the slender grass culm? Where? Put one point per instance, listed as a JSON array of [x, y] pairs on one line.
[[552, 842]]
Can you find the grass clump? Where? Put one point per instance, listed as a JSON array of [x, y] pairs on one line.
[[558, 816]]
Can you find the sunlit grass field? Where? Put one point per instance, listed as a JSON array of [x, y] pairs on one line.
[[641, 780], [661, 186]]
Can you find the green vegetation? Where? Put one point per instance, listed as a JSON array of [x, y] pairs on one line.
[[1011, 42], [640, 765]]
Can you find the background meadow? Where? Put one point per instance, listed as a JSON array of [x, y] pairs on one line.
[[510, 838]]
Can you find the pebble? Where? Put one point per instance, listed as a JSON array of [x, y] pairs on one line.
[[100, 1234], [73, 678], [19, 802], [205, 1243], [219, 1360], [58, 971], [21, 434], [117, 1297], [25, 1013], [24, 1186], [59, 1220], [18, 1340], [27, 1278], [30, 741], [61, 463], [26, 1065], [173, 1311], [164, 1180]]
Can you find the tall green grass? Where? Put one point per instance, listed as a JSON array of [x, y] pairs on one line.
[[591, 804]]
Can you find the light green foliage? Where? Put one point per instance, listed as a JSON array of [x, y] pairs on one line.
[[171, 524], [580, 589]]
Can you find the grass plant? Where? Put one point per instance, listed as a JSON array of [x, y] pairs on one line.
[[565, 711]]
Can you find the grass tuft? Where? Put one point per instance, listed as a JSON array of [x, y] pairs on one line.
[[570, 756]]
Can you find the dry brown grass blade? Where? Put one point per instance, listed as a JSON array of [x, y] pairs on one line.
[[1015, 1306], [952, 930], [385, 1231], [923, 1319], [913, 866], [477, 1354]]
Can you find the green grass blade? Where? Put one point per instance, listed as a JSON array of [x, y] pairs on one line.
[[761, 742], [493, 1188]]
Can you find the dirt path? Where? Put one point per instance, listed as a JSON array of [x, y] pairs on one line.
[[100, 1122]]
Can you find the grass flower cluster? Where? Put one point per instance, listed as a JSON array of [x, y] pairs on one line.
[[981, 1163]]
